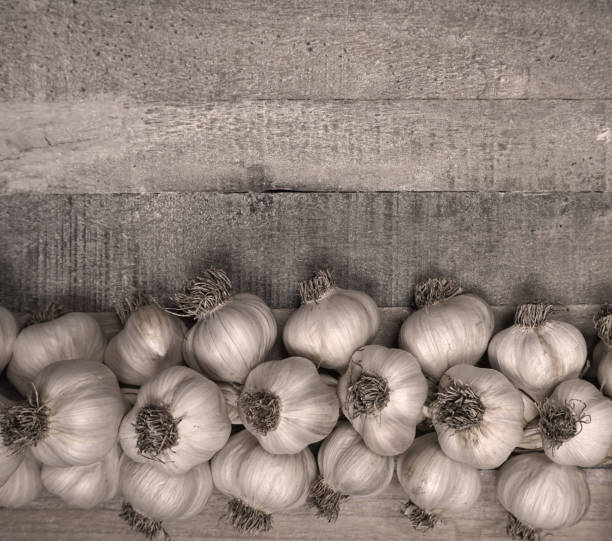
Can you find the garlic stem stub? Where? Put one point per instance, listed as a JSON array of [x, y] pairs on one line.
[[23, 486], [179, 420], [576, 424], [71, 336], [347, 469], [71, 416], [541, 495], [382, 395], [434, 483], [537, 353], [331, 322], [478, 416], [8, 335], [260, 483], [287, 406], [448, 328], [234, 332]]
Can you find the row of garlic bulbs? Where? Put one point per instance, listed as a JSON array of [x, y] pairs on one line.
[[286, 405]]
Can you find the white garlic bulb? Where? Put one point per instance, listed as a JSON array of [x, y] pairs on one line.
[[9, 459], [530, 409], [23, 486], [151, 495], [84, 487], [576, 424], [347, 469], [179, 421], [234, 333], [231, 394], [539, 494], [449, 327], [478, 416], [331, 323], [602, 354], [536, 354], [382, 394], [72, 336], [260, 483], [287, 406], [434, 482], [150, 341], [8, 335], [71, 417]]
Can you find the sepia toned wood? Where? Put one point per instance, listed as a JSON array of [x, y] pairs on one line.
[[88, 251], [373, 518], [111, 145], [348, 49]]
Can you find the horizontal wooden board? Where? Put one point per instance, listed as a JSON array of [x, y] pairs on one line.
[[108, 145], [88, 251], [373, 518], [316, 50]]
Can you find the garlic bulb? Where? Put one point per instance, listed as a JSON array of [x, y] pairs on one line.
[[71, 336], [347, 468], [382, 394], [23, 486], [179, 421], [448, 328], [8, 334], [85, 487], [260, 483], [151, 495], [331, 323], [536, 354], [150, 341], [234, 333], [287, 406], [9, 459], [539, 494], [434, 482], [231, 394], [602, 354], [530, 409], [71, 417], [478, 416], [576, 424]]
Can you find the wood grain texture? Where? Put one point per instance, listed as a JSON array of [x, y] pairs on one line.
[[376, 518], [349, 49], [88, 251], [108, 145]]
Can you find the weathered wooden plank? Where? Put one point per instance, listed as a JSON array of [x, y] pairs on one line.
[[376, 518], [88, 251], [316, 50], [108, 145]]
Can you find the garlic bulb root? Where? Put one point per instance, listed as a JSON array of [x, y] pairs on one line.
[[532, 315], [603, 324], [156, 430], [367, 395], [519, 531], [420, 519], [247, 519], [125, 308], [435, 290], [325, 499], [24, 424], [561, 422], [317, 287], [458, 406], [140, 523], [261, 410], [48, 313], [203, 295]]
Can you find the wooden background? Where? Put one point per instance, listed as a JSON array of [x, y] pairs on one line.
[[141, 142]]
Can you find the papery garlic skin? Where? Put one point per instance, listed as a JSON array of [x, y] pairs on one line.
[[589, 446], [309, 408], [9, 460], [390, 430], [530, 409], [23, 486], [489, 442], [8, 335], [604, 373], [537, 359], [84, 487], [542, 494], [231, 394], [196, 404], [328, 329], [452, 331], [150, 341], [350, 467], [85, 407], [163, 496], [73, 336], [265, 482], [433, 481]]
